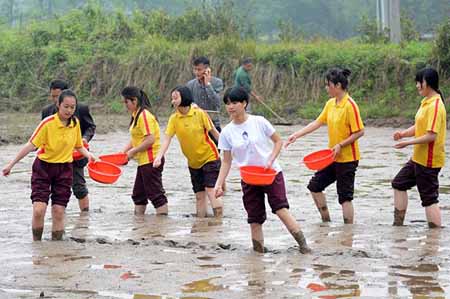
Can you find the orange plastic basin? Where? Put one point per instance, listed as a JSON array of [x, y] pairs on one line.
[[76, 155], [319, 160], [257, 175], [118, 158], [104, 172]]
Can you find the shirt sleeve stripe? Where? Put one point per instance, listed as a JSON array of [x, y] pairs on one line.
[[355, 110], [41, 125], [436, 108], [147, 127], [211, 144]]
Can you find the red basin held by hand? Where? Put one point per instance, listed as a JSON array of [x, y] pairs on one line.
[[257, 175], [104, 172], [319, 160]]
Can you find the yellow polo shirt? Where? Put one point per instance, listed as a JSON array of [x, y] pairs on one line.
[[431, 117], [146, 125], [56, 141], [192, 133], [342, 119]]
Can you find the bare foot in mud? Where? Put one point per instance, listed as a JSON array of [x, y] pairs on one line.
[[57, 235], [37, 233], [218, 212], [258, 246], [433, 225], [399, 217], [301, 241]]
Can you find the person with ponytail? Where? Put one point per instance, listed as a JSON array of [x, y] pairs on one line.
[[56, 137], [345, 127], [87, 126], [192, 127], [144, 147], [428, 157]]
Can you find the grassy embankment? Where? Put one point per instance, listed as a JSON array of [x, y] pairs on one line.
[[100, 54]]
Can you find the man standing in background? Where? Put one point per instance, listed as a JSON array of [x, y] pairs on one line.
[[242, 79], [87, 132], [205, 90]]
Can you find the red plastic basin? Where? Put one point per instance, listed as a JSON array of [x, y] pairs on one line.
[[117, 158], [76, 155], [319, 160], [257, 175], [104, 172]]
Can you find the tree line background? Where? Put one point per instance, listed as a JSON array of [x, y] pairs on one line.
[[101, 46]]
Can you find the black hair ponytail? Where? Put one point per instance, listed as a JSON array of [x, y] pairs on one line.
[[133, 93], [337, 75]]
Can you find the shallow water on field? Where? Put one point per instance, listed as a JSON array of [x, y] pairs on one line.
[[110, 253]]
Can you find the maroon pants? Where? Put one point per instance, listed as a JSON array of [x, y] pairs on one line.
[[51, 178], [426, 179], [254, 199], [148, 186]]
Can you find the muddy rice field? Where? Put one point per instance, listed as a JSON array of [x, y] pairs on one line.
[[110, 253]]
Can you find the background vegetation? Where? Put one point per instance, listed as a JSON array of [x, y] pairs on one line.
[[100, 49]]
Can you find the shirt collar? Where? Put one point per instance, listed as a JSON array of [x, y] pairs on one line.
[[343, 101], [426, 101], [60, 123], [190, 113]]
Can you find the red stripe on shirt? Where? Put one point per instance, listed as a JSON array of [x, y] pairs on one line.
[[353, 146], [354, 151], [436, 108], [355, 110], [150, 154], [41, 125], [430, 154], [147, 128], [148, 132], [211, 144]]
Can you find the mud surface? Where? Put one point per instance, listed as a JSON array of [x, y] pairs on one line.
[[110, 253]]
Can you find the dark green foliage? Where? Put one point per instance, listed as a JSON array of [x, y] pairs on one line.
[[441, 49], [100, 52]]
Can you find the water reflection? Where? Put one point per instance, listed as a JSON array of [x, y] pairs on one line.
[[420, 279]]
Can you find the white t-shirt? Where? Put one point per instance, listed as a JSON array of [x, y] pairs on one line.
[[249, 142]]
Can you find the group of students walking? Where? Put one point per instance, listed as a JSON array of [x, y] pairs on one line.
[[246, 140]]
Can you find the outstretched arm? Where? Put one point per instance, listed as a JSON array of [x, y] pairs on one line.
[[28, 147], [410, 132], [427, 138], [162, 150], [278, 144], [311, 127], [223, 173]]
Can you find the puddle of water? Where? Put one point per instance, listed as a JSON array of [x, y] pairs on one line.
[[210, 266], [205, 258], [16, 291], [202, 286]]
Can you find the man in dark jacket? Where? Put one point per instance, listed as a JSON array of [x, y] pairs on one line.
[[87, 132]]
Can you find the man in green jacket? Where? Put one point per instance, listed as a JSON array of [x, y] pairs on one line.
[[242, 79]]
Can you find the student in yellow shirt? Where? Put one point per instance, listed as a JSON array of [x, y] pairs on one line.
[[56, 137], [143, 147], [191, 125], [428, 157], [345, 127]]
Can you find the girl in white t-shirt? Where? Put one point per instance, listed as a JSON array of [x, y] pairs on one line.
[[252, 140]]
